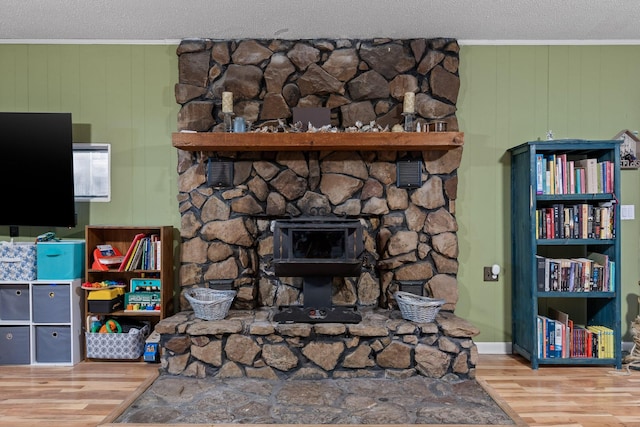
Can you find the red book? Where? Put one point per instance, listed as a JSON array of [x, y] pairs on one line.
[[129, 253]]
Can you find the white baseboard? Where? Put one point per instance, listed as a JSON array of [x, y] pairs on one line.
[[505, 347], [494, 347]]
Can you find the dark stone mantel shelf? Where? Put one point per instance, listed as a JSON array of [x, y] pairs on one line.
[[320, 141]]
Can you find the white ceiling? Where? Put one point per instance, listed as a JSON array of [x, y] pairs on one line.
[[468, 21]]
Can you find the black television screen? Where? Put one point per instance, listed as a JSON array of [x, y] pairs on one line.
[[36, 170]]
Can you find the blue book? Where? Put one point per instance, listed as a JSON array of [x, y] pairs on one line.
[[540, 172], [551, 338]]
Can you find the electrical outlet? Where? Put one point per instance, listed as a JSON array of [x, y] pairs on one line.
[[488, 276]]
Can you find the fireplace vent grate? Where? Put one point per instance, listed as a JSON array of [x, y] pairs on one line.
[[409, 173], [219, 173]]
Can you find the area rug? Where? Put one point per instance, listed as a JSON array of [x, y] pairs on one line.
[[372, 401]]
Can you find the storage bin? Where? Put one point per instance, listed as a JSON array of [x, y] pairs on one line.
[[129, 345], [60, 260], [17, 261], [51, 303], [53, 344], [14, 302], [14, 345]]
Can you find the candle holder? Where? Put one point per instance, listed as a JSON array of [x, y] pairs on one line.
[[409, 120], [228, 122]]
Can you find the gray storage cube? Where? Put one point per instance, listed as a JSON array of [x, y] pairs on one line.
[[53, 344], [14, 345], [14, 302], [51, 303]]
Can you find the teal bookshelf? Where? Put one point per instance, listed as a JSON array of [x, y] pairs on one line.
[[532, 203]]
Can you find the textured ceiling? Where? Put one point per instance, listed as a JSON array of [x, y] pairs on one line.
[[471, 21]]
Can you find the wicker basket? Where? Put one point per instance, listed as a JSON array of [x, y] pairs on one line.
[[210, 304], [417, 308]]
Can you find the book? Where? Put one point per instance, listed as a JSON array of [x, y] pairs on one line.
[[127, 257], [539, 174], [600, 347], [540, 335], [554, 275], [590, 167], [543, 336], [603, 261], [559, 339], [551, 338], [130, 264], [541, 273], [137, 254], [563, 333]]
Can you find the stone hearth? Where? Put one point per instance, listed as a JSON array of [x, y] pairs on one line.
[[248, 344]]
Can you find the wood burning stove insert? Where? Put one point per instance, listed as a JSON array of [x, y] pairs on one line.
[[317, 249]]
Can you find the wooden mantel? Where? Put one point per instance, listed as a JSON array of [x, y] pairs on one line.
[[338, 141]]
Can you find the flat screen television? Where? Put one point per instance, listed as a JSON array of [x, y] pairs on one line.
[[36, 170]]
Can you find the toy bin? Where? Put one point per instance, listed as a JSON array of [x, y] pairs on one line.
[[125, 345], [14, 302], [14, 342], [53, 344], [60, 260]]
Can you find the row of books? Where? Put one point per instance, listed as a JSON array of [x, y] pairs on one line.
[[578, 221], [144, 253], [594, 273], [556, 174], [558, 337]]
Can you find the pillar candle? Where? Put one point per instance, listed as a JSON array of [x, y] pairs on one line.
[[409, 103], [227, 102]]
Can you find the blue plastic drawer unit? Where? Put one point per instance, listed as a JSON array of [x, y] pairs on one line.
[[60, 260]]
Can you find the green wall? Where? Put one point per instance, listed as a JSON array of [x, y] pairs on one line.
[[117, 94], [513, 94], [124, 95]]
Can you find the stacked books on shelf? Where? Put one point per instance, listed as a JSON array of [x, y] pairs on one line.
[[576, 221], [559, 337], [593, 273], [144, 253], [560, 174]]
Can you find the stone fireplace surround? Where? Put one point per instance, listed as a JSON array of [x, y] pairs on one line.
[[410, 234]]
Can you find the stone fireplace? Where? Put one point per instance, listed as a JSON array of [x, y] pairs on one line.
[[409, 233]]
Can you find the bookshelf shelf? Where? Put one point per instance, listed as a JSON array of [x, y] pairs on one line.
[[121, 237], [574, 242], [558, 223], [593, 294]]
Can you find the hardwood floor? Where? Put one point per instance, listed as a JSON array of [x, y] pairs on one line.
[[78, 396], [564, 396], [94, 393]]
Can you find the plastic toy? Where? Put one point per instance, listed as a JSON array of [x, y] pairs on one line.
[[103, 259], [110, 326], [105, 284]]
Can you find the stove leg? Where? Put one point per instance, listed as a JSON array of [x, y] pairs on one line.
[[316, 292]]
